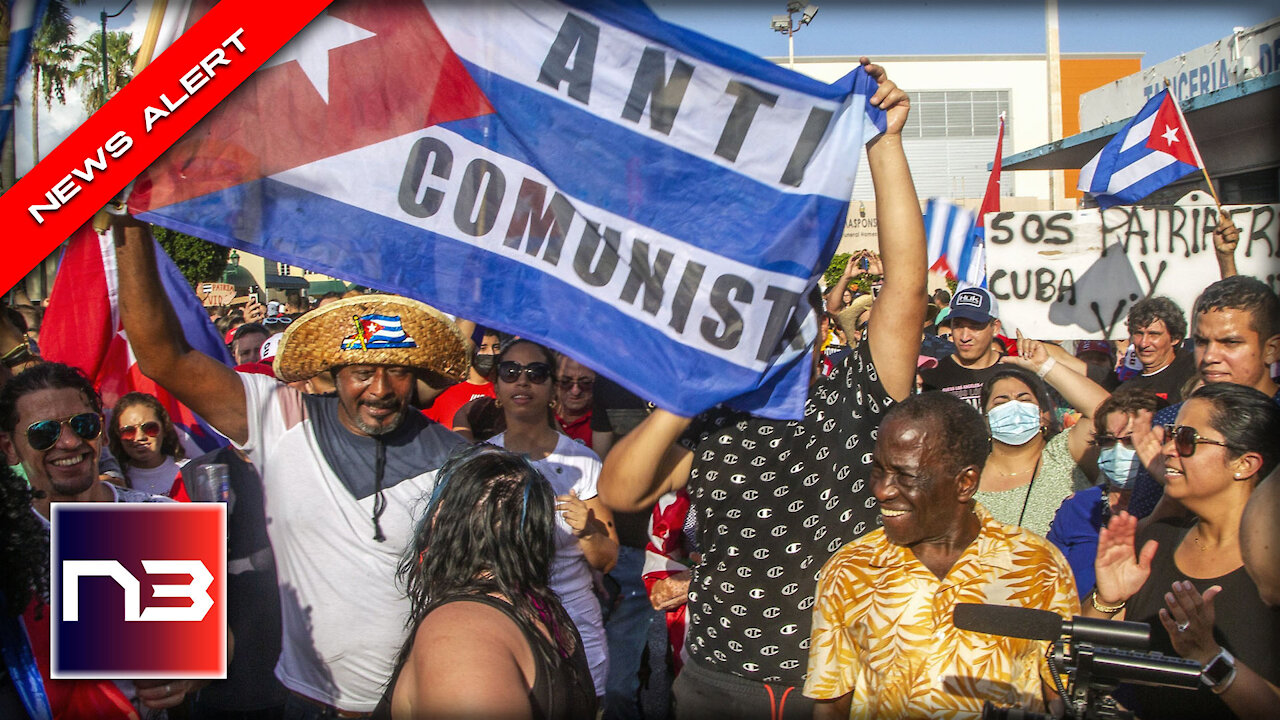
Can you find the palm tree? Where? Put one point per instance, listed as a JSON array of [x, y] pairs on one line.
[[52, 57], [88, 74]]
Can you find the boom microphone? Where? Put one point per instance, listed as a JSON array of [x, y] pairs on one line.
[[1032, 624]]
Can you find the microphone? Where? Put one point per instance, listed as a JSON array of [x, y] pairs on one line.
[[1032, 624]]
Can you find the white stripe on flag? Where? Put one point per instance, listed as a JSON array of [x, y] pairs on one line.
[[1139, 133], [370, 178], [529, 27], [1086, 174], [1135, 171], [21, 16]]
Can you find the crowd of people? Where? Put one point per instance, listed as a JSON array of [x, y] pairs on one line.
[[438, 519]]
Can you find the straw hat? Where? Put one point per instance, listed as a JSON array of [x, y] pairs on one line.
[[371, 330]]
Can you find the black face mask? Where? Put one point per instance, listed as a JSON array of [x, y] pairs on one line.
[[484, 364]]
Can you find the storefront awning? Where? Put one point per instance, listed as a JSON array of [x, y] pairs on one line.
[[1234, 128]]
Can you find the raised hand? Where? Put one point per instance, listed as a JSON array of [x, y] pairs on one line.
[[889, 97], [1121, 573], [1032, 354]]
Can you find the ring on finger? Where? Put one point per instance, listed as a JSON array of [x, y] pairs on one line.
[[1182, 626]]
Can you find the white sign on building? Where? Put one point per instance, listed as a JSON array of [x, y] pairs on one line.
[[1251, 53]]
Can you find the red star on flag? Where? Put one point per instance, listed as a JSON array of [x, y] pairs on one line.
[[1168, 135]]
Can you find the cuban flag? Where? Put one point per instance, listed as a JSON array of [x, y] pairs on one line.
[[82, 328], [954, 247], [375, 332], [25, 18], [1153, 150], [652, 202]]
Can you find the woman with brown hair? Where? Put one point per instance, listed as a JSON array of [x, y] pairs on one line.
[[145, 441]]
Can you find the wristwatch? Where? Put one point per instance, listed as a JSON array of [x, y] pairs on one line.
[[1219, 672]]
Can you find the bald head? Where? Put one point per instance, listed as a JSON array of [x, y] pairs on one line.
[[1260, 538]]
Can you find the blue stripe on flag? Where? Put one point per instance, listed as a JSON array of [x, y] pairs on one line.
[[370, 249], [194, 319], [25, 18]]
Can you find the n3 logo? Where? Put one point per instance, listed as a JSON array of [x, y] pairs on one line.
[[138, 591], [197, 591]]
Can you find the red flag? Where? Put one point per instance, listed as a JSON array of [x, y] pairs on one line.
[[991, 200], [82, 328]]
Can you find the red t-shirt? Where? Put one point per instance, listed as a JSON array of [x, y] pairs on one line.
[[448, 402], [579, 430]]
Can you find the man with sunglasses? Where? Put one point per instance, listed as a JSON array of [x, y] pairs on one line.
[[51, 423], [575, 385], [775, 499], [342, 475], [1236, 331]]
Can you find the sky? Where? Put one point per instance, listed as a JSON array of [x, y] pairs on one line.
[[1160, 29]]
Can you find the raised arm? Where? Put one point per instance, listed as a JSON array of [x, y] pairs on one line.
[[1225, 238], [646, 463], [852, 269], [1084, 394], [212, 390], [895, 326]]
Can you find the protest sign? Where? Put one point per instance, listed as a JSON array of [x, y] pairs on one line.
[[1073, 275]]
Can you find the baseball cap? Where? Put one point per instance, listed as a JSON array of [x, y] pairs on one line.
[[974, 304], [1098, 346]]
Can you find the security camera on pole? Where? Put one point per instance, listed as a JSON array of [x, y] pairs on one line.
[[787, 24]]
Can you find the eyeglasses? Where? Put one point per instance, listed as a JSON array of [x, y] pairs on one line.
[[151, 428], [537, 372], [44, 434], [280, 320], [1185, 439], [1106, 441], [567, 383]]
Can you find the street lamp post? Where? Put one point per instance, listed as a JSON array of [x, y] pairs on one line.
[[104, 16], [787, 25]]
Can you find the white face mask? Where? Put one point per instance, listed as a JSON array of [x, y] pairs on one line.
[[1014, 422]]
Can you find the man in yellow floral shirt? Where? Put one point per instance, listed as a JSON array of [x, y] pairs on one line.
[[883, 642]]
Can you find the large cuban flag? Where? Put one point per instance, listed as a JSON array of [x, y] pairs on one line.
[[654, 203], [1154, 149]]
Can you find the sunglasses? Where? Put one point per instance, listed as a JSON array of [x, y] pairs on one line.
[[1106, 441], [44, 434], [584, 383], [151, 428], [1185, 439], [537, 372], [280, 320]]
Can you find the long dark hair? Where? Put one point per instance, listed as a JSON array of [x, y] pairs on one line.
[[24, 546], [169, 444], [489, 528]]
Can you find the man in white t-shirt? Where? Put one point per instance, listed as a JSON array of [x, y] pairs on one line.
[[344, 476]]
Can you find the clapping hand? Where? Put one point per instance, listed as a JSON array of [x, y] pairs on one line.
[[1189, 621]]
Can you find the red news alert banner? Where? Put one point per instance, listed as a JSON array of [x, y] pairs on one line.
[[142, 121]]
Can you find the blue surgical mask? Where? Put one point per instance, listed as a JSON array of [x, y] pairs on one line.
[[1014, 422], [1119, 465]]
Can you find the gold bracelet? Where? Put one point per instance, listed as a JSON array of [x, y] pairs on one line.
[[1109, 609]]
